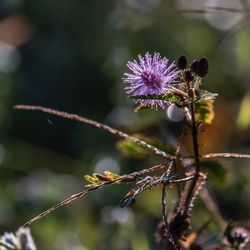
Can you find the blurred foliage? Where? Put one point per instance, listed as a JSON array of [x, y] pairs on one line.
[[71, 55], [216, 171], [130, 149], [204, 111]]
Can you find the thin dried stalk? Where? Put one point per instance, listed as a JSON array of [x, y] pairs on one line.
[[83, 193], [226, 155], [113, 131]]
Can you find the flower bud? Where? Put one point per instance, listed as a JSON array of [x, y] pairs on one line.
[[194, 66], [200, 67], [182, 62]]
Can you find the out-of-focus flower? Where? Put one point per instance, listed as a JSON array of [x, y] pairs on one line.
[[237, 237], [21, 240], [150, 75]]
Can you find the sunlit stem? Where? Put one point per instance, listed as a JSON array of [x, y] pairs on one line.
[[197, 83], [177, 91]]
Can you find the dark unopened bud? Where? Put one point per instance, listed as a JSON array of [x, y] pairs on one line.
[[188, 77], [200, 67], [194, 66], [128, 200], [182, 62]]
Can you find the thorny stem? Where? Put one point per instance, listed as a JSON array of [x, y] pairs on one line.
[[111, 130], [164, 208], [164, 212], [164, 215], [195, 140], [196, 153], [116, 181], [122, 134]]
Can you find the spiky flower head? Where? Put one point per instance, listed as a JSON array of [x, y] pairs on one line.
[[150, 75]]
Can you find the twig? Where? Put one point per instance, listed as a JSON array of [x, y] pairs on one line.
[[98, 125], [83, 193], [195, 140], [196, 157], [226, 155], [164, 209]]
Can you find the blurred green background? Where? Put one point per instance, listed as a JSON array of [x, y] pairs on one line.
[[71, 55]]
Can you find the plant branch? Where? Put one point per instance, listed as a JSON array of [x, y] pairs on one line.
[[164, 209], [119, 133], [83, 193], [195, 140], [226, 155], [196, 158]]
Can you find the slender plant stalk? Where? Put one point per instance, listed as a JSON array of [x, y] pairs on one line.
[[195, 140], [196, 155], [164, 207], [114, 131], [164, 215]]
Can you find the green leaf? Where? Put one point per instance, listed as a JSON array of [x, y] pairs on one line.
[[112, 176], [169, 98], [216, 171], [133, 150], [92, 179], [204, 111]]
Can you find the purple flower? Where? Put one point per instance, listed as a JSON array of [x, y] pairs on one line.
[[150, 76]]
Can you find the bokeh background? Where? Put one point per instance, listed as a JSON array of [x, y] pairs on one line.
[[71, 55]]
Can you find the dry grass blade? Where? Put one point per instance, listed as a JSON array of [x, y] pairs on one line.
[[113, 131], [60, 204]]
